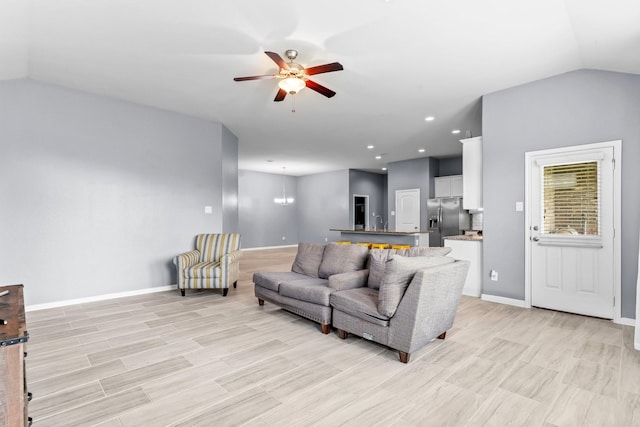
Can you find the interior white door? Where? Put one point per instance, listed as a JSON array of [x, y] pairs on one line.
[[408, 210], [572, 231]]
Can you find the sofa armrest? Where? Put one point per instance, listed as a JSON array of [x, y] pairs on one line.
[[350, 280], [428, 307]]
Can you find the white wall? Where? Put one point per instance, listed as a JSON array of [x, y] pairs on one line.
[[98, 195]]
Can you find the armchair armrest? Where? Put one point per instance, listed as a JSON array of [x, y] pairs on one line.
[[350, 280], [184, 261], [187, 259], [231, 257]]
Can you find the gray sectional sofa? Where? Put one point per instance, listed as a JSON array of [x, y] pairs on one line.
[[399, 298]]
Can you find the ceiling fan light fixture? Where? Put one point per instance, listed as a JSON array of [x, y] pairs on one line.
[[292, 85]]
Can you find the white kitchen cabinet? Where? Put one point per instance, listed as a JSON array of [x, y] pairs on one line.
[[472, 172], [470, 250], [448, 186]]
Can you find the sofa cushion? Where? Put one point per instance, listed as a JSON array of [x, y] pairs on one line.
[[210, 270], [308, 259], [316, 291], [272, 279], [377, 262], [378, 259], [422, 251], [342, 259], [361, 303], [398, 273]]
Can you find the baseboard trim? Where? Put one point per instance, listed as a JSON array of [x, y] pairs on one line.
[[36, 307], [270, 247], [625, 321], [503, 300]]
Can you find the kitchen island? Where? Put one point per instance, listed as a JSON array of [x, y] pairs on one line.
[[392, 237]]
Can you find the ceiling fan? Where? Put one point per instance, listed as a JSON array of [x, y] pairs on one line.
[[294, 77]]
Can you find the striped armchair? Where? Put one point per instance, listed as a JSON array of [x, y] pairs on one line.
[[214, 264]]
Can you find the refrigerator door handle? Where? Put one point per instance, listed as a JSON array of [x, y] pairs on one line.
[[439, 218]]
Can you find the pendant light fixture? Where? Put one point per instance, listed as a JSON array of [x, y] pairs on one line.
[[284, 200]]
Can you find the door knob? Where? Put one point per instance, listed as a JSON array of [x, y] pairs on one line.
[[535, 239], [535, 228]]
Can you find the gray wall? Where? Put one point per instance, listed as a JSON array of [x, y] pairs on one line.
[[262, 222], [571, 109], [450, 166], [374, 186], [98, 195], [324, 204], [409, 174], [228, 159]]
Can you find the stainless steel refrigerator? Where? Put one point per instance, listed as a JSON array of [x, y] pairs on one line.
[[446, 217]]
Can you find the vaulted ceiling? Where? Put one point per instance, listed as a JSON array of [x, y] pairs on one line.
[[403, 60]]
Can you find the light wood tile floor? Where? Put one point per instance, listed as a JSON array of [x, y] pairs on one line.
[[206, 360]]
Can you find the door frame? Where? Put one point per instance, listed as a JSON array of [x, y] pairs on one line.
[[366, 209], [617, 219]]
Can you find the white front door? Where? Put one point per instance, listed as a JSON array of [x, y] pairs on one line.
[[408, 210], [571, 230]]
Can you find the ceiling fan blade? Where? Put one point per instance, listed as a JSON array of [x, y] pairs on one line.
[[278, 60], [320, 89], [326, 68], [243, 79], [280, 95]]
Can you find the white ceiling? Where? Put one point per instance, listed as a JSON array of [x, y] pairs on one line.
[[403, 60]]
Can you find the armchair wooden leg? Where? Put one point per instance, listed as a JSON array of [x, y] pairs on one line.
[[343, 334], [225, 291], [404, 357], [260, 301], [325, 328], [442, 335], [235, 284], [182, 292]]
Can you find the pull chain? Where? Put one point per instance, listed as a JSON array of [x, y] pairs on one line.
[[293, 103]]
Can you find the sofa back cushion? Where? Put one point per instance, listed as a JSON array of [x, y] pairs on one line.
[[377, 262], [342, 259], [308, 259], [422, 251], [398, 273], [378, 259]]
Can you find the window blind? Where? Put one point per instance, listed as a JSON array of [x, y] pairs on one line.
[[571, 198]]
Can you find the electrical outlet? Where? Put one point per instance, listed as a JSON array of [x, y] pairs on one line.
[[494, 275], [284, 238], [326, 239]]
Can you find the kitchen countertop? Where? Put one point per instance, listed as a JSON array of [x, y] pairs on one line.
[[469, 237], [388, 232]]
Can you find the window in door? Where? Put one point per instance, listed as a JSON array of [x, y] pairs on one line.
[[571, 199]]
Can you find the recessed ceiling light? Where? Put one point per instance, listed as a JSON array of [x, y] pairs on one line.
[[429, 119], [421, 150], [370, 147], [455, 131], [378, 157]]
